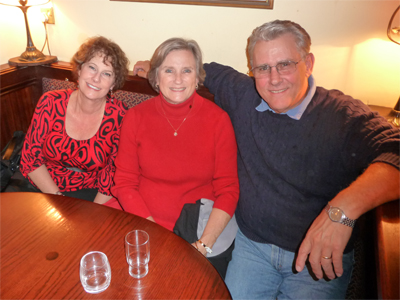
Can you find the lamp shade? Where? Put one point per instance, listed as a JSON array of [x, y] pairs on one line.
[[393, 33], [24, 2], [393, 30]]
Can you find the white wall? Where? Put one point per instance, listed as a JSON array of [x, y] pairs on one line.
[[353, 53]]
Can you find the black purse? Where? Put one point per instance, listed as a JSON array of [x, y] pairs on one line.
[[10, 158]]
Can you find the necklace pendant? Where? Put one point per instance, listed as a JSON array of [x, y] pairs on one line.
[[175, 133]]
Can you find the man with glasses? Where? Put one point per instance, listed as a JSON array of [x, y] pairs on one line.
[[311, 161]]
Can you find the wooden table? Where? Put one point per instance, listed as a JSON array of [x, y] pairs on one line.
[[43, 238]]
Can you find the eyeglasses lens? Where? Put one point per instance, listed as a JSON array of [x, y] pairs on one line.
[[283, 68]]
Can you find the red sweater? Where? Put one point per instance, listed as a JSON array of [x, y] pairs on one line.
[[157, 172]]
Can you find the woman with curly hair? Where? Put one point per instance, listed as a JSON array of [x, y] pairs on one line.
[[73, 138]]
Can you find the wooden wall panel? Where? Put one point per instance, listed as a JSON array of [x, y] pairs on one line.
[[16, 109], [20, 90]]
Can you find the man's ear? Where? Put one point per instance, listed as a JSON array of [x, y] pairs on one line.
[[310, 60]]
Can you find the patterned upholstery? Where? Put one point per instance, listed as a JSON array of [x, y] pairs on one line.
[[49, 84], [129, 98]]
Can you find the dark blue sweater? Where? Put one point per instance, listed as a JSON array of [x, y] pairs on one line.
[[289, 169]]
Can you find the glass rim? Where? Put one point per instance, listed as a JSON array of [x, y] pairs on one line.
[[102, 254], [146, 235]]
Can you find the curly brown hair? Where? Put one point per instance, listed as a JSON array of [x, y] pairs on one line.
[[112, 53]]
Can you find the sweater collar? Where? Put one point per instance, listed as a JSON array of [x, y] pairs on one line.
[[296, 112], [177, 111]]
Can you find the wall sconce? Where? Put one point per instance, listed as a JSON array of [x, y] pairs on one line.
[[31, 56], [393, 33]]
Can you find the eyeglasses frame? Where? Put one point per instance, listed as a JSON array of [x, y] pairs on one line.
[[270, 67]]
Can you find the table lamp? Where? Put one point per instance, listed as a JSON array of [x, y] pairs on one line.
[[32, 56], [393, 34]]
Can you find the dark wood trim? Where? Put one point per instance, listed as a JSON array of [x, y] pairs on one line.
[[17, 86], [266, 4]]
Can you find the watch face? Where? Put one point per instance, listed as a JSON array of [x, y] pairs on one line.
[[335, 214]]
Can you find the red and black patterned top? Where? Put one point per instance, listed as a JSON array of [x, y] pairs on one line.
[[73, 164]]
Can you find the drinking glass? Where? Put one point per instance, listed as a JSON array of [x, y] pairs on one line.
[[95, 272], [137, 249]]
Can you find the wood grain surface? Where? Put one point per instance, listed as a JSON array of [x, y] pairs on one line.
[[388, 250], [43, 238]]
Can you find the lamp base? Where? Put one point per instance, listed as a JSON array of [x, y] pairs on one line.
[[20, 62], [394, 118]]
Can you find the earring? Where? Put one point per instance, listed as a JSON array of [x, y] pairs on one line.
[[197, 86], [111, 95]]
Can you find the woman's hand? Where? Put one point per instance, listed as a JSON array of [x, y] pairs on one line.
[[151, 219], [215, 225], [199, 248], [42, 179], [101, 198], [141, 68]]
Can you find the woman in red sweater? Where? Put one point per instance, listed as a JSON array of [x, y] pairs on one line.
[[177, 148]]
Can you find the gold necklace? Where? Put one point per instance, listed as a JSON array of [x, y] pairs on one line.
[[176, 130]]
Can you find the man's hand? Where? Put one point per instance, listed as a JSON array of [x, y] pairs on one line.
[[377, 185], [141, 68], [324, 244]]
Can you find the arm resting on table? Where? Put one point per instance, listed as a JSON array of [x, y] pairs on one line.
[[42, 179]]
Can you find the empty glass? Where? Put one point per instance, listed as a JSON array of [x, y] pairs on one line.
[[95, 272], [137, 249]]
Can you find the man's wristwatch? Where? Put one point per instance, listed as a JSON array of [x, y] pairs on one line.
[[337, 215]]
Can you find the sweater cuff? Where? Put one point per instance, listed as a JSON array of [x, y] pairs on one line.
[[227, 205], [389, 158]]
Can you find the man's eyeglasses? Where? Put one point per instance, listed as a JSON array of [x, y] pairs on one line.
[[283, 68]]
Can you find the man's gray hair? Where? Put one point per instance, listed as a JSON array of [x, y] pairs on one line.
[[274, 29], [165, 48]]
